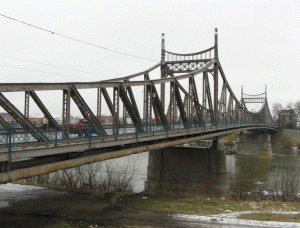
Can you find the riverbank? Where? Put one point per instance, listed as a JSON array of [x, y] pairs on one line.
[[57, 208]]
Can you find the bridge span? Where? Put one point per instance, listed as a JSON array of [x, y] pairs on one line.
[[141, 120]]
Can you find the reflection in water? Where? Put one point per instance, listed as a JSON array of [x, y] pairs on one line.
[[276, 175], [243, 169], [248, 166]]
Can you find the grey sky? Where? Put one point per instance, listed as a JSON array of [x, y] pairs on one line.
[[258, 40]]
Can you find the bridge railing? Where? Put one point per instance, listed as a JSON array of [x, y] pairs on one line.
[[20, 138]]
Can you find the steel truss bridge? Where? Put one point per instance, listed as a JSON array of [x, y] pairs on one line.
[[177, 107]]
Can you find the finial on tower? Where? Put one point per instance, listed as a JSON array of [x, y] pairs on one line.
[[216, 43], [163, 54], [242, 92], [266, 90]]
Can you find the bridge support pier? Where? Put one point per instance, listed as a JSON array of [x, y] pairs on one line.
[[187, 169], [253, 142]]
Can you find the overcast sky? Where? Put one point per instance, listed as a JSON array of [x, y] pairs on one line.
[[259, 41]]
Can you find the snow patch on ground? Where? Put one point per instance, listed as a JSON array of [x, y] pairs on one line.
[[231, 218], [10, 193], [17, 187]]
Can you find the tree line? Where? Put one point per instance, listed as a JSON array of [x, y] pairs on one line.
[[277, 107]]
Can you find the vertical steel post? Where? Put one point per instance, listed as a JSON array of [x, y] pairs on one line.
[[172, 102], [66, 111], [66, 107], [26, 106], [9, 148], [204, 97], [146, 102], [116, 99], [216, 78], [99, 97], [190, 101], [150, 105], [125, 112], [163, 69]]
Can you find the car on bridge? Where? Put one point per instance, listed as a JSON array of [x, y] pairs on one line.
[[80, 124], [83, 128], [79, 127]]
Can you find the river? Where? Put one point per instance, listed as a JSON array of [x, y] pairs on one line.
[[250, 169]]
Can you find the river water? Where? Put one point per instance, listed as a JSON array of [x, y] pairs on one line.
[[242, 169]]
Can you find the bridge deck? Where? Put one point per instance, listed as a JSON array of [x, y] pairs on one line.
[[19, 149]]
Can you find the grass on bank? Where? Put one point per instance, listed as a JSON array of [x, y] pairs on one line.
[[210, 206]]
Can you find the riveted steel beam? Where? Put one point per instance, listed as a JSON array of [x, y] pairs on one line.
[[86, 111], [179, 102], [21, 119], [110, 104], [129, 107], [208, 95], [42, 107], [5, 124], [26, 104], [196, 99], [99, 104]]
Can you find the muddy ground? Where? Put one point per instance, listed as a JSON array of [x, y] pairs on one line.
[[49, 208], [79, 210]]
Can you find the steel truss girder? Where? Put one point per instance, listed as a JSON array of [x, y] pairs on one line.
[[116, 104], [180, 103], [26, 108], [195, 99], [5, 124], [147, 108], [184, 109], [21, 119], [190, 101], [171, 116], [133, 102], [162, 87], [216, 91], [39, 103], [99, 104], [184, 67], [186, 103], [222, 102], [130, 108], [229, 115], [86, 111], [208, 95], [110, 105], [66, 107], [157, 106]]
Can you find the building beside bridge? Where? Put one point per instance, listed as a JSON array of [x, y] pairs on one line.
[[287, 118]]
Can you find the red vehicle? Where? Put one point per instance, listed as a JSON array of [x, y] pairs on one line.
[[81, 124], [80, 127]]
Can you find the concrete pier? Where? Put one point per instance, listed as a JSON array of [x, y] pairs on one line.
[[186, 169], [253, 142]]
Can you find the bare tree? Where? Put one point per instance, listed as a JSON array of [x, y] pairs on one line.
[[297, 108], [118, 177], [107, 175], [284, 183], [276, 108]]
